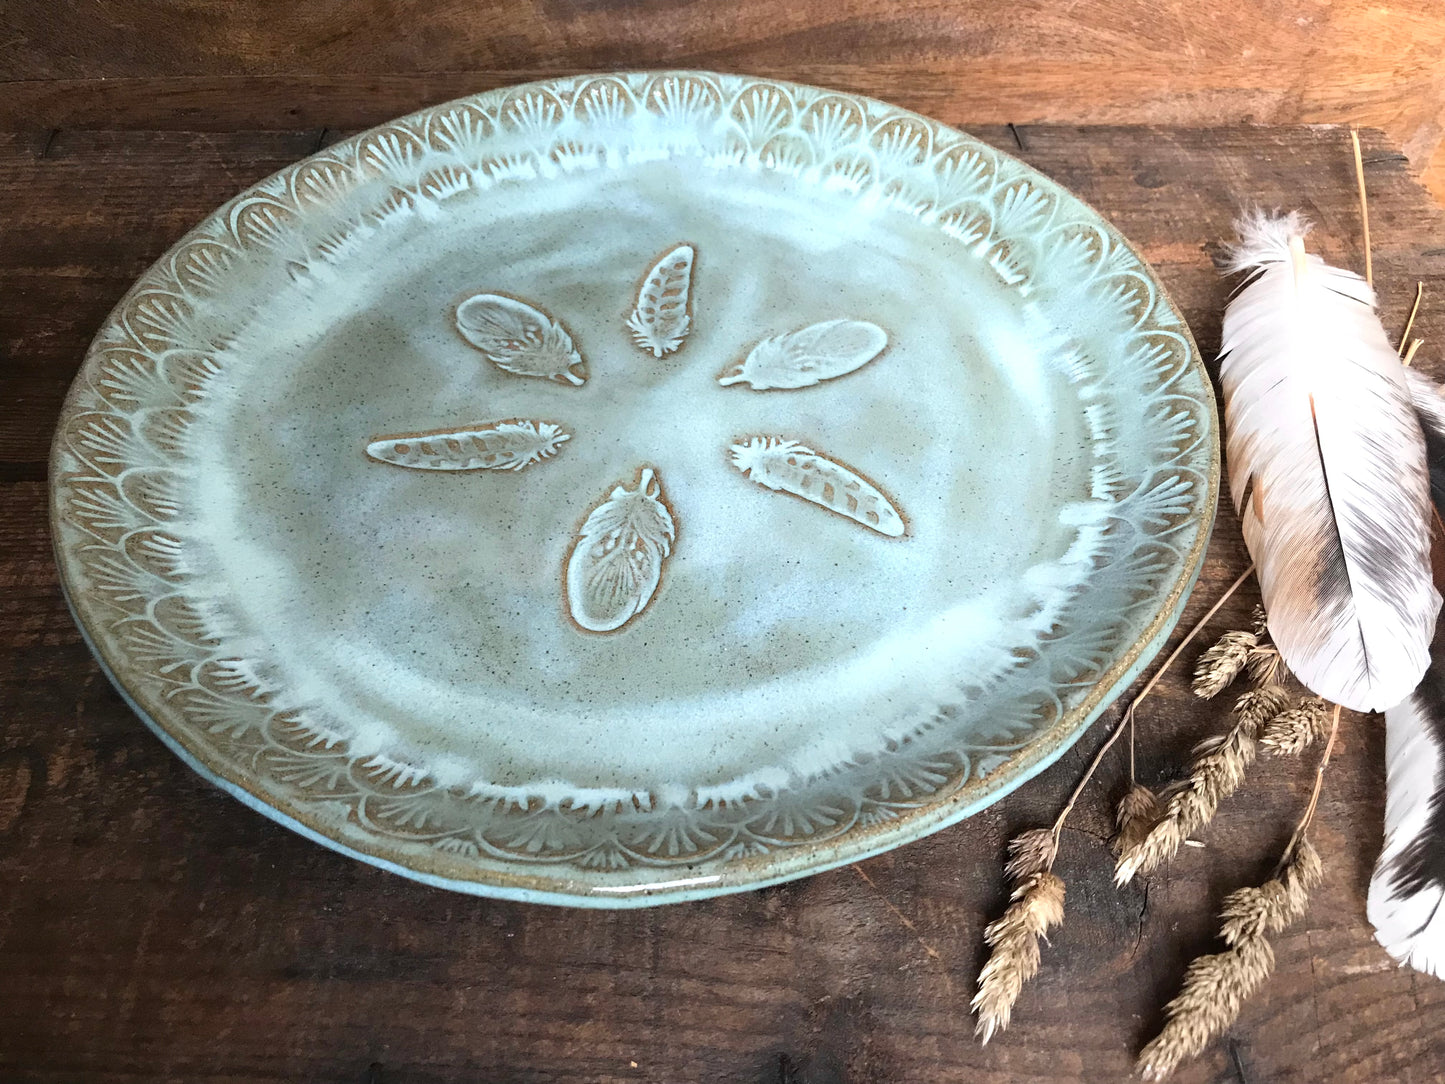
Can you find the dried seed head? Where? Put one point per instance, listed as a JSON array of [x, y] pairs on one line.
[[1030, 852], [1215, 988], [1302, 871], [1250, 913], [1218, 666], [1138, 810], [1044, 894], [1265, 665], [1291, 732], [1304, 864], [1215, 773], [1258, 706], [1038, 904], [1259, 622], [1158, 844], [1211, 744], [1254, 912]]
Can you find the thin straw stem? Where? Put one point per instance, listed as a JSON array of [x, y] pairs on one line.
[[1304, 823], [1364, 207], [1133, 775], [1410, 323]]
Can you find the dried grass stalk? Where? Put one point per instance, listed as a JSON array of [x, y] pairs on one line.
[[1215, 772], [1030, 852], [1222, 663], [1302, 872], [1259, 622], [1291, 732], [1215, 987], [1138, 812], [1410, 320], [1254, 709], [1265, 665], [1037, 903], [1249, 913]]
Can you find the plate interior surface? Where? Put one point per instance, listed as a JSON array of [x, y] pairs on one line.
[[621, 489]]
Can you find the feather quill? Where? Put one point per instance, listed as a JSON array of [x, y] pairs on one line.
[[1407, 891], [1327, 471]]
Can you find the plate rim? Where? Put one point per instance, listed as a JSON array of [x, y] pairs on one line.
[[533, 884]]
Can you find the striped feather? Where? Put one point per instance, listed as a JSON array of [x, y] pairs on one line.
[[1327, 471], [1407, 890]]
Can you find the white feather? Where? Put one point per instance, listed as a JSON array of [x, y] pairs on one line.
[[1407, 891], [1327, 470], [1410, 924]]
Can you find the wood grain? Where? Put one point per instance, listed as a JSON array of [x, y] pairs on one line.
[[153, 929], [216, 63]]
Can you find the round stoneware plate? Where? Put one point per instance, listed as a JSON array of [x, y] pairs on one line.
[[626, 489]]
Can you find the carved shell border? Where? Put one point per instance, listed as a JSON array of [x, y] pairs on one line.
[[122, 444]]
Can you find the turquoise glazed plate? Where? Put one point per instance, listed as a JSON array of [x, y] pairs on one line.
[[626, 489]]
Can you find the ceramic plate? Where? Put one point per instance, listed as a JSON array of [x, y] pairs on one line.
[[625, 489]]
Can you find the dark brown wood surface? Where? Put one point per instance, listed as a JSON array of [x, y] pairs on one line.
[[153, 929], [212, 63]]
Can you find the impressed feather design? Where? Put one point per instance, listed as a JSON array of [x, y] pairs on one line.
[[660, 321], [1407, 891], [1327, 471], [512, 445], [616, 563], [786, 465], [809, 355], [520, 339]]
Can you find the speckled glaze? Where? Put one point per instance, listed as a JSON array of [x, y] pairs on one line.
[[626, 489]]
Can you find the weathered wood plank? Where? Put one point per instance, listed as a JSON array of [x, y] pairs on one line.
[[205, 63], [153, 929], [87, 212]]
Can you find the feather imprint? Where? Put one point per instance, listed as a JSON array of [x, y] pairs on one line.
[[517, 338], [661, 320], [510, 445], [808, 356], [616, 563], [788, 466], [1327, 471]]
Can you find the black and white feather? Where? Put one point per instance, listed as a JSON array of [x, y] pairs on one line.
[[1327, 471], [1407, 891]]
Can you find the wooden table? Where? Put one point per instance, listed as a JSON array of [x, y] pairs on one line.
[[153, 929]]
